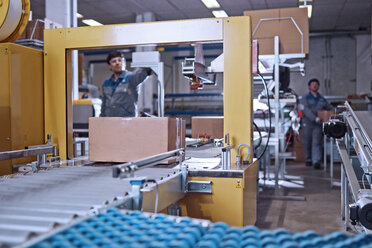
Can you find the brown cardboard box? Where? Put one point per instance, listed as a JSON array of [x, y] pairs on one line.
[[298, 148], [37, 26], [289, 37], [210, 125], [116, 139], [325, 114]]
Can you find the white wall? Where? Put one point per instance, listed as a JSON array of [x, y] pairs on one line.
[[364, 64], [342, 71]]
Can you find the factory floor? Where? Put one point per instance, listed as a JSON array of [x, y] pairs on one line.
[[319, 212]]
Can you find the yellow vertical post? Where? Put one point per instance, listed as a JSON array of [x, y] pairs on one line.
[[238, 84], [55, 89], [69, 114]]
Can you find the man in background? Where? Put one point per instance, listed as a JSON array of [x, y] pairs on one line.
[[120, 93], [312, 124]]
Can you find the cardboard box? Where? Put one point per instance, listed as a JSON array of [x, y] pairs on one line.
[[36, 26], [116, 139], [289, 37], [325, 114], [210, 125]]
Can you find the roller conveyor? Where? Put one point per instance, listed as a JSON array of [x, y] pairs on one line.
[[115, 228], [37, 203], [355, 149]]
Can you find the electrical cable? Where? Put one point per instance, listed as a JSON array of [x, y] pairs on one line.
[[259, 133], [238, 153], [268, 104]]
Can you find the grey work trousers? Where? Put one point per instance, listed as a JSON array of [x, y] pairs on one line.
[[312, 138]]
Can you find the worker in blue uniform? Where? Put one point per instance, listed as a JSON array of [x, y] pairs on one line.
[[312, 124], [119, 92]]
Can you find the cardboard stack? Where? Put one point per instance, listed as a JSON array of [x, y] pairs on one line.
[[38, 34], [289, 37], [116, 139]]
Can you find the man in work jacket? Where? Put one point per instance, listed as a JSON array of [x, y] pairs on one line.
[[120, 93], [312, 124]]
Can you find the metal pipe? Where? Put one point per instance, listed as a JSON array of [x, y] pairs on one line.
[[331, 162], [145, 162], [350, 174], [223, 160], [346, 197], [226, 157], [342, 193], [276, 77], [325, 152], [26, 152]]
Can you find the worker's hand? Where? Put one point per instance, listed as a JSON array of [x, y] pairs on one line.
[[318, 120]]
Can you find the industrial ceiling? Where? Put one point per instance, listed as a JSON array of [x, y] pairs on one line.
[[327, 15]]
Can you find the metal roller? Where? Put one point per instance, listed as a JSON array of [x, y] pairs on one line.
[[13, 19]]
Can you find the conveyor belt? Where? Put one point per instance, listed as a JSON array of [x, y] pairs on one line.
[[135, 229], [365, 119], [36, 203]]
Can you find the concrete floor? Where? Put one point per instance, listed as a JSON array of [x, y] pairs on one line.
[[320, 212]]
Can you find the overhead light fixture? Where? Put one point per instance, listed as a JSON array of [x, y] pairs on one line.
[[219, 13], [309, 9], [91, 22], [78, 15], [211, 4]]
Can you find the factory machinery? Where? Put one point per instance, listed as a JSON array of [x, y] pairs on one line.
[[59, 187], [92, 206], [61, 201], [356, 153], [51, 194]]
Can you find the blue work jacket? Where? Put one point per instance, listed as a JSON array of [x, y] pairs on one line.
[[120, 97], [311, 107]]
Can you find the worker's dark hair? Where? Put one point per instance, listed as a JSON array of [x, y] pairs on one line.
[[113, 54], [313, 80]]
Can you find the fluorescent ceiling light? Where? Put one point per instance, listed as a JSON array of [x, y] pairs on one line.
[[211, 4], [78, 15], [219, 13], [302, 1], [91, 22], [309, 9]]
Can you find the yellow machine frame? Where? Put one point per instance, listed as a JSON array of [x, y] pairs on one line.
[[233, 32], [21, 101]]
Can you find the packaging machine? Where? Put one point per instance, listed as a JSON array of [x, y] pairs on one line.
[[60, 187], [67, 201]]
